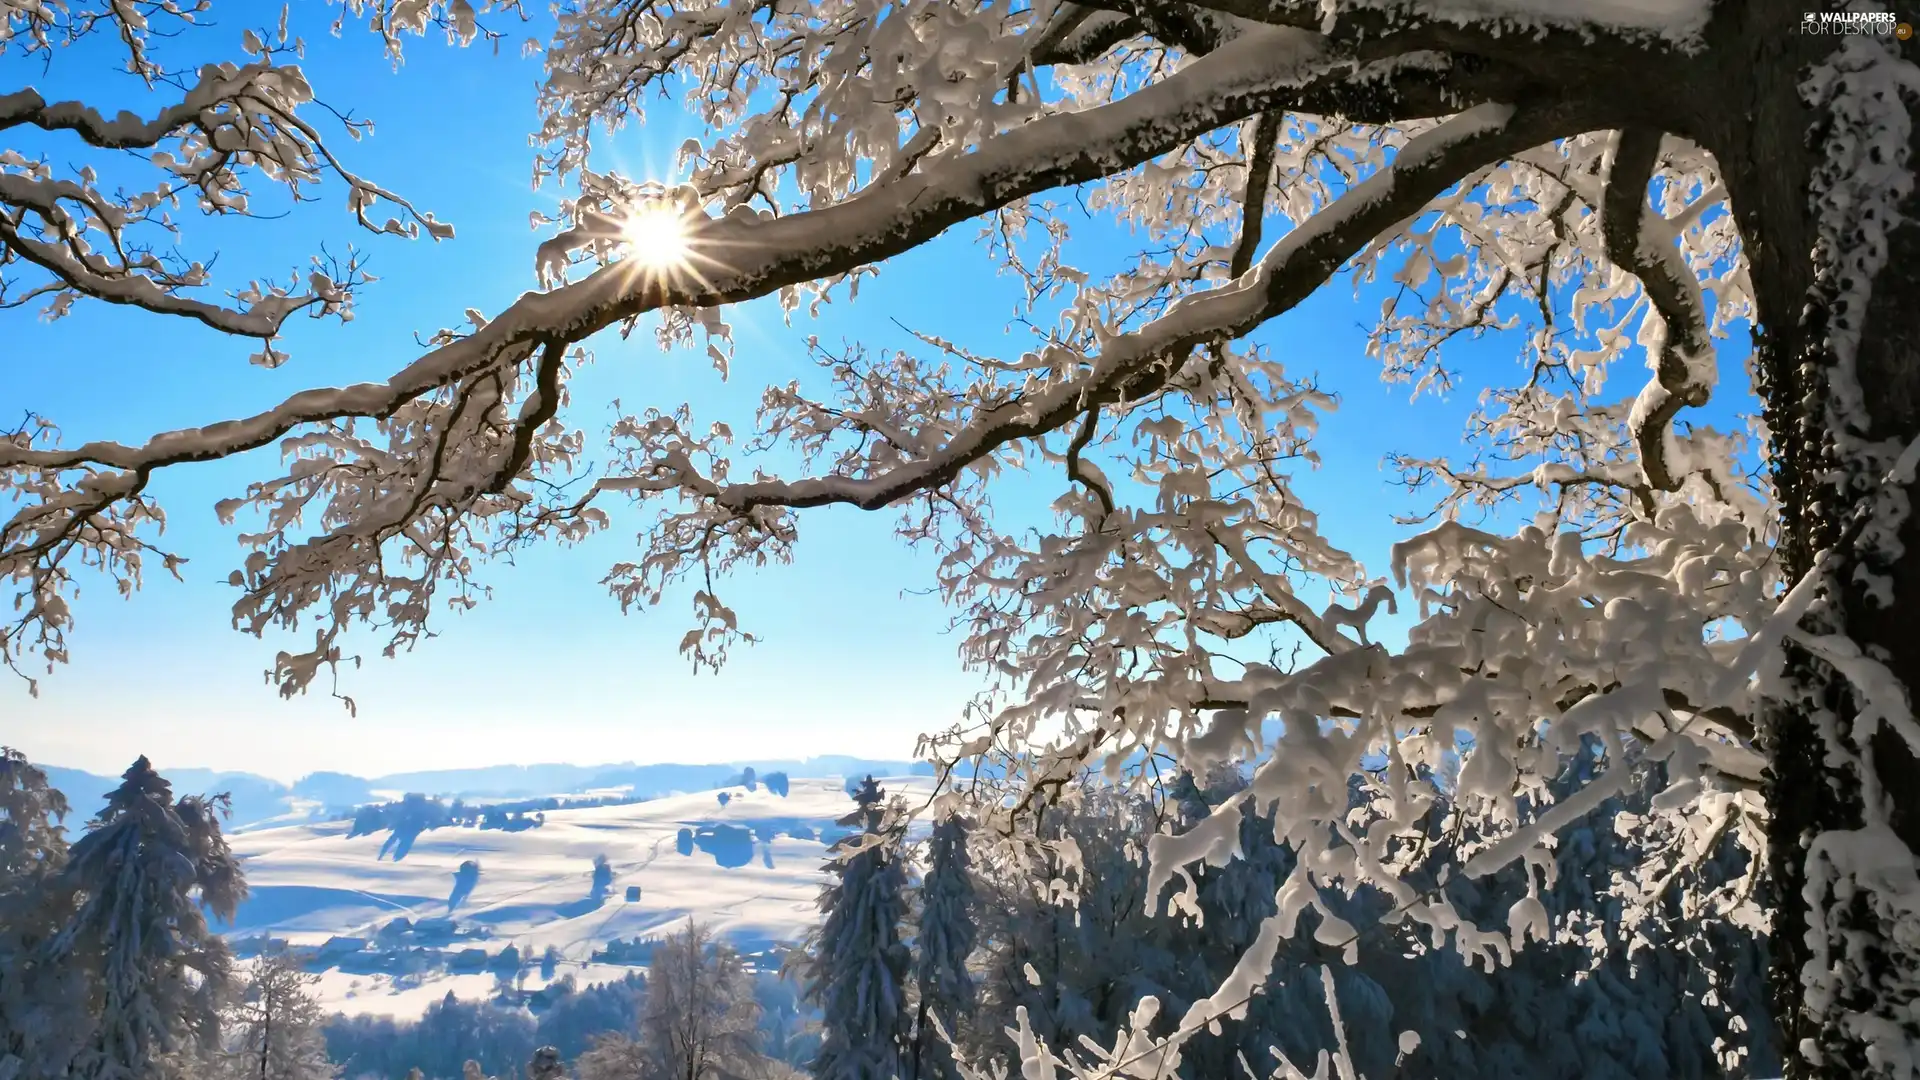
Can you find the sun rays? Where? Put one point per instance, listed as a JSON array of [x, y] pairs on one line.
[[657, 238]]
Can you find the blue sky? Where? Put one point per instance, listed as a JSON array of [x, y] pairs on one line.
[[549, 669]]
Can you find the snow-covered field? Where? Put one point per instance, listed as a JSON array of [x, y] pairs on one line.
[[753, 874]]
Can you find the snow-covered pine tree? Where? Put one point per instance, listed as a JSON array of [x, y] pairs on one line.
[[1615, 998], [41, 1004], [1067, 935], [272, 1028], [944, 938], [1627, 986], [856, 965], [32, 839], [1020, 953], [1232, 902], [157, 974]]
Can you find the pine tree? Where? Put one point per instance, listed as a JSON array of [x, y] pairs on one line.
[[856, 965], [943, 941], [1234, 901], [1080, 960], [32, 841], [42, 1012], [1679, 997], [157, 974]]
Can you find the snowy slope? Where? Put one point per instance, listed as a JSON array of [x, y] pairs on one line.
[[753, 874]]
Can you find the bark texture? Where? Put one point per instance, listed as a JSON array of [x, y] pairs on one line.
[[1771, 144]]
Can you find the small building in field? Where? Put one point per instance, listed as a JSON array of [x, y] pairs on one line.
[[468, 960], [337, 947]]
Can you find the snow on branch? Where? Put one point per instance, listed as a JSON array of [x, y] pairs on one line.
[[93, 237], [741, 256], [731, 521], [754, 257], [1641, 241], [1135, 364]]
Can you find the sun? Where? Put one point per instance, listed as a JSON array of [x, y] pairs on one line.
[[656, 237]]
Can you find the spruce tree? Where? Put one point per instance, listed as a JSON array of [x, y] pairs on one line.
[[42, 1012], [1679, 995], [157, 973], [857, 966], [943, 941], [32, 841]]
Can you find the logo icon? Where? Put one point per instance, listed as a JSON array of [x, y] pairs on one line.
[[1849, 23]]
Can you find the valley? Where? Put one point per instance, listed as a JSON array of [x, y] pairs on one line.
[[380, 931]]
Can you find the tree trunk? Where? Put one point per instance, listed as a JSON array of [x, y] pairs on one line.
[[919, 1037], [1844, 789]]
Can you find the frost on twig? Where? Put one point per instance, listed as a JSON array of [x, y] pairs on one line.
[[99, 222]]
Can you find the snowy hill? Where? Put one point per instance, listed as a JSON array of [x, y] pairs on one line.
[[749, 867], [261, 802]]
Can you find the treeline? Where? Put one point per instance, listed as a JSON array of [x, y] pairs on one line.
[[697, 1012], [404, 819], [925, 956], [775, 782], [418, 813], [453, 1031], [1063, 929]]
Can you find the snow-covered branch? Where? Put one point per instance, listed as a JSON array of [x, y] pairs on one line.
[[741, 256], [93, 237], [1141, 362], [1641, 241]]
